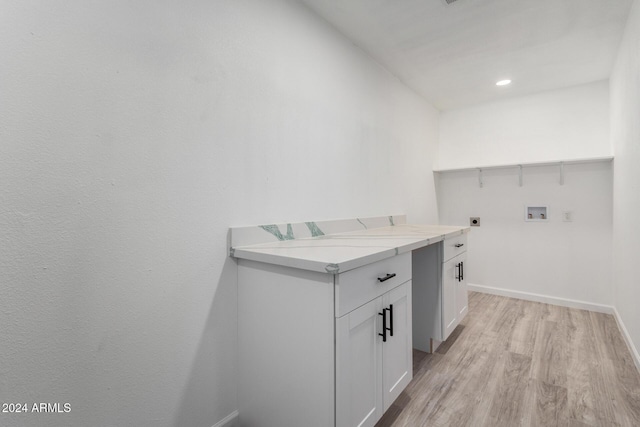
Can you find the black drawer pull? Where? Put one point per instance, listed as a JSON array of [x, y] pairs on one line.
[[387, 277], [459, 245]]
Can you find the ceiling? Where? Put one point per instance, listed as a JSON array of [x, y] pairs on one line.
[[453, 54]]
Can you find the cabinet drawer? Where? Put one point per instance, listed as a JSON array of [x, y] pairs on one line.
[[356, 287], [454, 246]]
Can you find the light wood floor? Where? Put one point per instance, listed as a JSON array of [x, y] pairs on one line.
[[520, 363]]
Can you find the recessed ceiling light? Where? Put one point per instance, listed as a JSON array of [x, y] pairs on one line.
[[503, 82]]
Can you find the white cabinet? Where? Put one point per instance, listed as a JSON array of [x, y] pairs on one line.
[[440, 298], [374, 359], [317, 349], [462, 293], [397, 351], [359, 366], [449, 293], [286, 364], [454, 294]]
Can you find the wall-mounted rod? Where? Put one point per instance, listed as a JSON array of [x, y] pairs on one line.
[[524, 164], [561, 173]]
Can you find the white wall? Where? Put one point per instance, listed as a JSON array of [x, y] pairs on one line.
[[557, 259], [133, 134], [625, 135], [556, 125], [569, 260]]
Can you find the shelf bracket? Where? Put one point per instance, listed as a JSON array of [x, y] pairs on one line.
[[561, 173], [520, 175], [480, 183]]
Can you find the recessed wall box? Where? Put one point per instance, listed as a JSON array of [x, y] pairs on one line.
[[536, 213]]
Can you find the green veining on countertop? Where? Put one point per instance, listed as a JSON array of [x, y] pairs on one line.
[[273, 229], [314, 229], [365, 227], [391, 221]]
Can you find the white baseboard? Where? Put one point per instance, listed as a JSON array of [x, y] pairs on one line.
[[563, 302], [627, 338], [230, 420]]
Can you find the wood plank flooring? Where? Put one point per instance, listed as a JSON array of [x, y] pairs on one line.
[[520, 363]]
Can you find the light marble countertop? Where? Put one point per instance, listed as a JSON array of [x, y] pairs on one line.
[[340, 252]]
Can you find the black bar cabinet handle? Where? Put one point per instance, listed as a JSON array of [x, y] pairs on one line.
[[459, 245], [462, 271], [391, 319], [384, 325], [387, 277]]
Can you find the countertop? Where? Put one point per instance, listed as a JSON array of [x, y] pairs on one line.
[[340, 252]]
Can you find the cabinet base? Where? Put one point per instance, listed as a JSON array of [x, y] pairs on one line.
[[433, 345]]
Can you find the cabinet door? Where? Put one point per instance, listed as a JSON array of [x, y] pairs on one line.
[[359, 366], [397, 351], [462, 296], [449, 293]]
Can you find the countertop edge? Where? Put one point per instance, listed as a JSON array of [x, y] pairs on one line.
[[245, 253]]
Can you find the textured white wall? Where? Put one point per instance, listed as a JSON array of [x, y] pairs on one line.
[[625, 135], [570, 260], [562, 124], [133, 134]]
